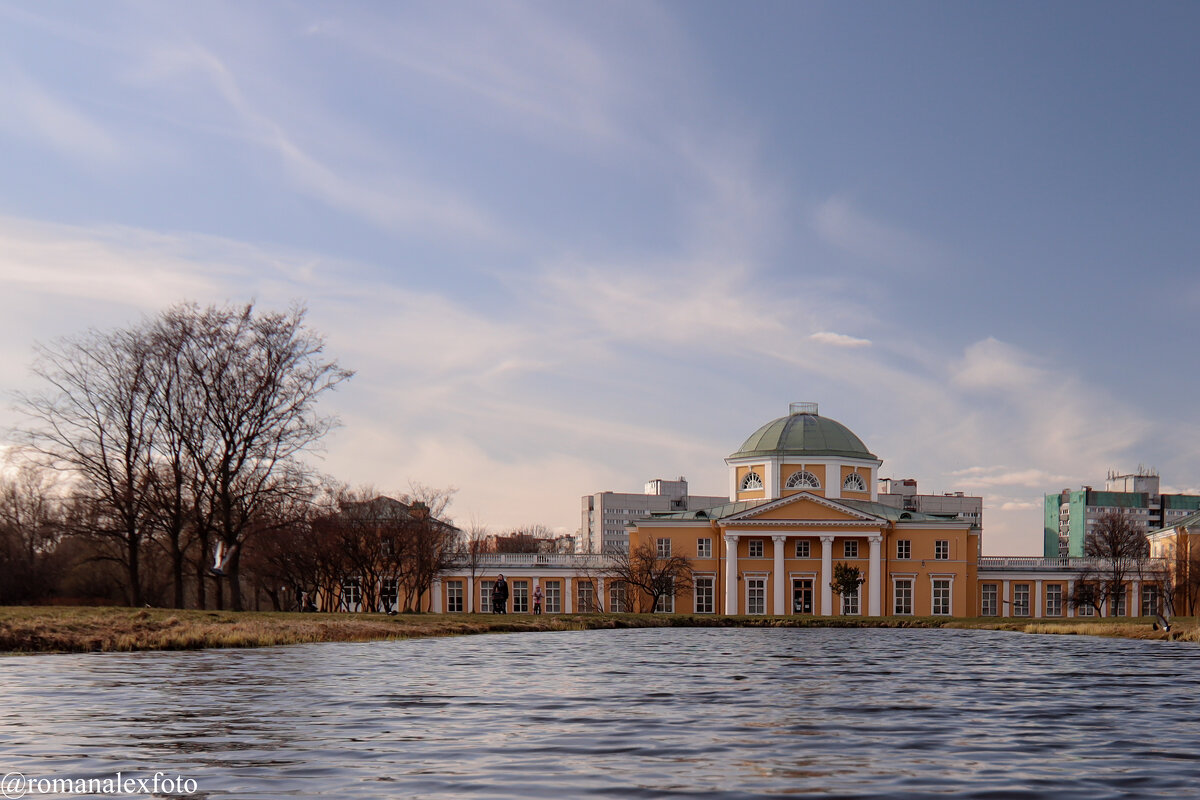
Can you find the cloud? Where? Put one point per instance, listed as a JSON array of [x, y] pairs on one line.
[[840, 224], [839, 339], [34, 113], [987, 477]]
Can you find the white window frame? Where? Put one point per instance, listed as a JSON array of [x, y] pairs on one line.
[[803, 548], [704, 548], [756, 595], [933, 595], [663, 545], [454, 597], [519, 596], [802, 479], [755, 548], [1054, 600], [989, 606], [851, 603], [1020, 601], [850, 548], [585, 597], [904, 549], [704, 594], [854, 483], [941, 550], [900, 587], [552, 597], [751, 482]]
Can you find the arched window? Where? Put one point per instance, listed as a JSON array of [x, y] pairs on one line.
[[751, 481], [802, 479], [854, 483]]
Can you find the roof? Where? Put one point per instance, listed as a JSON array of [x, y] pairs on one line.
[[887, 512], [804, 433]]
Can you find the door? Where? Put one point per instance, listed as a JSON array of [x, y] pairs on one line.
[[802, 596]]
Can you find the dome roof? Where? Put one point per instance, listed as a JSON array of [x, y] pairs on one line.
[[804, 433]]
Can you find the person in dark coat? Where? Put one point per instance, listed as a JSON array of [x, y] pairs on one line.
[[500, 596]]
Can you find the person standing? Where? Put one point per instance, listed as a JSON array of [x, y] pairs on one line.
[[500, 596], [537, 599]]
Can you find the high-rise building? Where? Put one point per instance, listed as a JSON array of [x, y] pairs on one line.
[[1071, 514], [604, 514]]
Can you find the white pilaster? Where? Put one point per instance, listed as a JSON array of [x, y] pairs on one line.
[[1134, 607], [1067, 599], [874, 579], [437, 595], [1037, 599], [731, 573], [833, 480], [601, 600], [1006, 602], [826, 575], [778, 578], [771, 479], [567, 595]]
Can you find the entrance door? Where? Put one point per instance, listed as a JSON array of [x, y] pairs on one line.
[[802, 596]]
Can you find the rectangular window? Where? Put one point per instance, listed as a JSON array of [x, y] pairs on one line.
[[704, 595], [1086, 610], [941, 598], [454, 597], [351, 594], [941, 550], [664, 548], [1020, 599], [904, 549], [756, 595], [1121, 609], [803, 548], [850, 548], [617, 599], [666, 602], [850, 603], [520, 597], [485, 596], [1149, 600], [389, 594], [704, 548], [904, 597], [1054, 600], [988, 601], [586, 598], [756, 548], [553, 597]]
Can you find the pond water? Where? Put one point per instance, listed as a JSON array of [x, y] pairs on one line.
[[713, 713]]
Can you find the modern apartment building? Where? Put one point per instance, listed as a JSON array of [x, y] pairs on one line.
[[1070, 515], [604, 514]]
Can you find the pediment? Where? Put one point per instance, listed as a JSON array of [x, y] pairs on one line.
[[805, 507]]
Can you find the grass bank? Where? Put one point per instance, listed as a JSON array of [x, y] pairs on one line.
[[48, 629]]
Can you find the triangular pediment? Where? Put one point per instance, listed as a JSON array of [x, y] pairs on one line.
[[805, 507]]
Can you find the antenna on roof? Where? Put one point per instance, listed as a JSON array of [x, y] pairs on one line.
[[804, 408]]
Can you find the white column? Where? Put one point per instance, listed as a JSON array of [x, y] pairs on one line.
[[566, 595], [826, 575], [778, 577], [1006, 603], [437, 595], [1134, 607], [874, 579], [1067, 599], [601, 600], [731, 573], [1037, 599]]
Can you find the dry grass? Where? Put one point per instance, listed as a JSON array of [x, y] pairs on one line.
[[67, 629]]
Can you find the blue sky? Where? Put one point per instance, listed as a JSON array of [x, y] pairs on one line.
[[572, 246]]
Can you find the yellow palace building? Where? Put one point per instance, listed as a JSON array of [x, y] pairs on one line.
[[803, 501], [803, 497]]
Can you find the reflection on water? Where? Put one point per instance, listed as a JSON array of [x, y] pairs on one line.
[[644, 713]]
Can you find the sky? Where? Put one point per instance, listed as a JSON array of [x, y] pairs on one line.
[[569, 247]]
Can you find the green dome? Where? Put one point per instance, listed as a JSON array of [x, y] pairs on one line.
[[804, 433]]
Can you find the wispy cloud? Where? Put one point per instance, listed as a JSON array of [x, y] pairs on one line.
[[36, 114], [879, 244], [839, 339]]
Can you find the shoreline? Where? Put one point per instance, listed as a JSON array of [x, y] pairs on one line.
[[28, 630]]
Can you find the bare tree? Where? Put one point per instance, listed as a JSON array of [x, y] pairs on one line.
[[655, 576], [1117, 550], [253, 380], [31, 526], [473, 545], [95, 420]]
